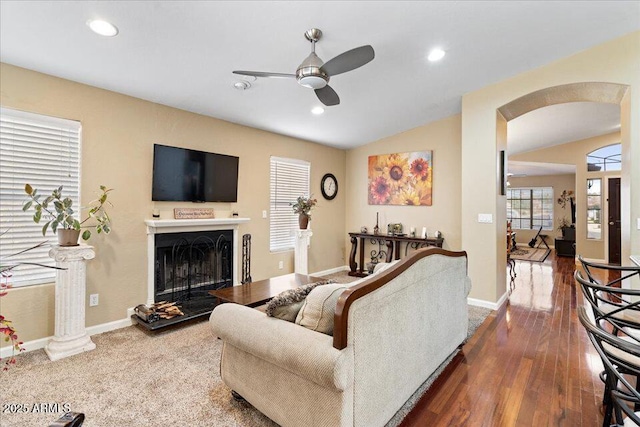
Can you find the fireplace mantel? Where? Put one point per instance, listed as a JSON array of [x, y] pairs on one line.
[[156, 226], [160, 226]]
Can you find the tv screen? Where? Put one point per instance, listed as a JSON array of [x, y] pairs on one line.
[[183, 175]]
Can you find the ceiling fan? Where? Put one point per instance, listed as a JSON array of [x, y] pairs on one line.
[[315, 74]]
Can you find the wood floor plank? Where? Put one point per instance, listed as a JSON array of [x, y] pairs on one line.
[[529, 364]]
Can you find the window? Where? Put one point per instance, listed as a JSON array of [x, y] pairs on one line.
[[44, 152], [530, 208], [594, 208], [289, 179], [607, 158]]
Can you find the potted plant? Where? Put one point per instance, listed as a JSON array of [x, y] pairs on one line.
[[60, 216], [302, 207], [567, 229]]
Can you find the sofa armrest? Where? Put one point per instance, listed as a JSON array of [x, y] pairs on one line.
[[295, 348]]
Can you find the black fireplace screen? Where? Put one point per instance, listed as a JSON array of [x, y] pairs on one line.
[[188, 265]]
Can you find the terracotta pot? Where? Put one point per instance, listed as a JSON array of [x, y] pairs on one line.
[[67, 237], [303, 221]]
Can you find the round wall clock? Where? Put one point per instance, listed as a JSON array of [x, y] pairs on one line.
[[329, 186]]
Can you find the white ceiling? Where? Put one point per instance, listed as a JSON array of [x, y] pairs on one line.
[[559, 124], [520, 169], [181, 54]]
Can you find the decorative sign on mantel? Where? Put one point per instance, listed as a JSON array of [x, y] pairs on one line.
[[193, 213]]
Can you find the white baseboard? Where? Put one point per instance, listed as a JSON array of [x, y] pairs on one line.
[[330, 271], [28, 346], [91, 330], [488, 304]]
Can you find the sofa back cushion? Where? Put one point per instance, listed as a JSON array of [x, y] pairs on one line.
[[319, 308]]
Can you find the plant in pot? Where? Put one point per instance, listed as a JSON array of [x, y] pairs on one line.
[[58, 211], [567, 229], [302, 207]]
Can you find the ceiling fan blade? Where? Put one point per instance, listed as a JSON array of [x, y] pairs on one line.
[[263, 74], [328, 96], [349, 60]]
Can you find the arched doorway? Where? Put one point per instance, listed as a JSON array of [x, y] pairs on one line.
[[610, 93]]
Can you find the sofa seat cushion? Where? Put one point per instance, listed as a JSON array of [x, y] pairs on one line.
[[287, 304], [320, 307]]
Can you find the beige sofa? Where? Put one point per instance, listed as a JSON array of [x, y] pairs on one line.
[[392, 330]]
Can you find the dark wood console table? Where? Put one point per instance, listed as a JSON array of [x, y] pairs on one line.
[[393, 244]]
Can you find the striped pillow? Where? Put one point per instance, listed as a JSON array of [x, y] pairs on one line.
[[319, 308]]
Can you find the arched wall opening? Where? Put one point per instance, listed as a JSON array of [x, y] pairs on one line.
[[610, 93]]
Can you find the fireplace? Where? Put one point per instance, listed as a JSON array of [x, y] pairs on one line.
[[186, 259], [189, 265]]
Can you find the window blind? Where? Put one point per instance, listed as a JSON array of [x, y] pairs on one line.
[[44, 152], [289, 179]]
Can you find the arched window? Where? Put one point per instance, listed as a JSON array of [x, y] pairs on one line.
[[605, 159]]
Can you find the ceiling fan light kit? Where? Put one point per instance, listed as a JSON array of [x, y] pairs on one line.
[[315, 74]]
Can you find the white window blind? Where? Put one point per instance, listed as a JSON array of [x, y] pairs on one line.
[[289, 180], [44, 152]]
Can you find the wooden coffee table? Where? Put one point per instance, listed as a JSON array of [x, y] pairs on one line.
[[257, 293]]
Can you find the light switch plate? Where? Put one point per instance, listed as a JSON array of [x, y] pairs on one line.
[[264, 214], [485, 218], [638, 224]]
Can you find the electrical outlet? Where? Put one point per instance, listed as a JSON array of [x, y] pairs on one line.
[[280, 265], [93, 300], [264, 214]]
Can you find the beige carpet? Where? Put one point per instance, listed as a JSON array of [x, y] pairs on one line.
[[137, 379], [525, 253]]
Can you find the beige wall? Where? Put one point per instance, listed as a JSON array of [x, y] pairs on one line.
[[617, 62], [575, 153], [558, 183], [443, 137], [118, 133]]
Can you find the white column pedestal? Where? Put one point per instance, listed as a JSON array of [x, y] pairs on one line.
[[70, 333], [303, 238]]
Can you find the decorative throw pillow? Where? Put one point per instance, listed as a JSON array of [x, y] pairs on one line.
[[320, 307], [287, 304]]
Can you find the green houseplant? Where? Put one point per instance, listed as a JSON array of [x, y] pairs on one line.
[[60, 216], [302, 207]]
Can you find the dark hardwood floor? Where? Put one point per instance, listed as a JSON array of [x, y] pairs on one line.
[[529, 364]]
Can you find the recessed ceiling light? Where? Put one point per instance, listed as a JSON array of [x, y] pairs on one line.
[[436, 55], [103, 28], [317, 110]]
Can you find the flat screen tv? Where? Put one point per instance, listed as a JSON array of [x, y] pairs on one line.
[[183, 175]]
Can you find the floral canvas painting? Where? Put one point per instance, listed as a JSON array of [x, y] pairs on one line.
[[401, 179]]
